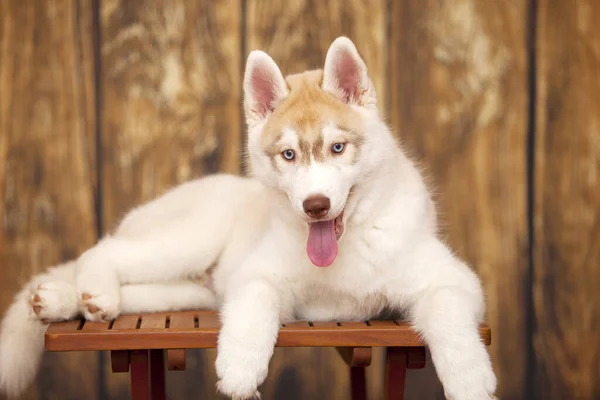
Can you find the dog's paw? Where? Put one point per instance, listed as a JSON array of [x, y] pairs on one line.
[[237, 393], [99, 297], [53, 301], [474, 384], [240, 372], [100, 307], [98, 288]]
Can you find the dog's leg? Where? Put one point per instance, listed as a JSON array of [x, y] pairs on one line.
[[447, 312], [163, 297], [170, 255], [250, 318]]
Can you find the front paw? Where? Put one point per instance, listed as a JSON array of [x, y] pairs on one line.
[[476, 383], [240, 372]]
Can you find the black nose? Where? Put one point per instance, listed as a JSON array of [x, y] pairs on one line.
[[316, 206]]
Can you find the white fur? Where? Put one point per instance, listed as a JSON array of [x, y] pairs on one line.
[[245, 232]]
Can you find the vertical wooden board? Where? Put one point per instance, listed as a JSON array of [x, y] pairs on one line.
[[567, 198], [47, 165], [297, 35], [458, 102], [171, 96], [170, 111]]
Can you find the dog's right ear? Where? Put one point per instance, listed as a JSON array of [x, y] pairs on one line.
[[264, 86], [345, 74]]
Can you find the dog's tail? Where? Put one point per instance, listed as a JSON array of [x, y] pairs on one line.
[[22, 336]]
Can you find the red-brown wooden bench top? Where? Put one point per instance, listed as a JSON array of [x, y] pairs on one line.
[[199, 329]]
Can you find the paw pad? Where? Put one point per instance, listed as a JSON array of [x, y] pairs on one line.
[[92, 308]]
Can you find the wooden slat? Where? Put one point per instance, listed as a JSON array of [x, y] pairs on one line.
[[459, 103], [208, 320], [150, 321], [67, 326], [125, 322], [358, 325], [323, 324], [383, 323], [47, 160], [95, 326], [296, 324], [181, 320], [566, 271]]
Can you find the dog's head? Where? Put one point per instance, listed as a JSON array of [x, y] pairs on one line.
[[308, 136]]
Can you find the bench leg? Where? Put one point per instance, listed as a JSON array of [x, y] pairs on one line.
[[358, 383], [157, 375], [139, 375], [395, 373]]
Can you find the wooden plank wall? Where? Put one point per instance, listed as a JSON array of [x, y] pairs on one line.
[[566, 268], [107, 103], [47, 159], [460, 105]]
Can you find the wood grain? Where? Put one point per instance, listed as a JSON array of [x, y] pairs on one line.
[[458, 103], [297, 35], [171, 99], [47, 165], [567, 198], [170, 112]]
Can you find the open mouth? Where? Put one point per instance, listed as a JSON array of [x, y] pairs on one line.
[[323, 236]]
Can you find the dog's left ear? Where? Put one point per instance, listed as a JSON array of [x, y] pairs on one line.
[[345, 74], [264, 86]]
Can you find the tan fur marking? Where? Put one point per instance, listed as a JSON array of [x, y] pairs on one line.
[[306, 110], [304, 156], [317, 148]]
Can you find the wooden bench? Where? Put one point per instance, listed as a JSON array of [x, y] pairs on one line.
[[138, 344]]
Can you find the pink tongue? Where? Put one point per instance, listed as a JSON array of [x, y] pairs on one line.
[[322, 247]]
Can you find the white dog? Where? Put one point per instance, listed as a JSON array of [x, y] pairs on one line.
[[336, 223]]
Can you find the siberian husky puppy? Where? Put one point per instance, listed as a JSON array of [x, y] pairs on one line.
[[335, 223]]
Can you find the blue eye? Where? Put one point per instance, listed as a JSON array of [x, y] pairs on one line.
[[288, 154], [338, 148]]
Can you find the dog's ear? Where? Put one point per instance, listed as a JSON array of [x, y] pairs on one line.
[[264, 86], [345, 74]]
